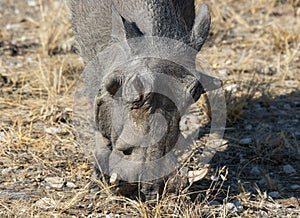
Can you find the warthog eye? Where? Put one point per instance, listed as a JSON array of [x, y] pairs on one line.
[[113, 86]]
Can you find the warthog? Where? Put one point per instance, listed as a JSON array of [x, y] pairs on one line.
[[139, 103]]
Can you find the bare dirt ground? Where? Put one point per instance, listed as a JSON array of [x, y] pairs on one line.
[[254, 47]]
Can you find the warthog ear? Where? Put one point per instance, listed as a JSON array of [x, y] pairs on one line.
[[110, 87], [200, 28], [121, 28]]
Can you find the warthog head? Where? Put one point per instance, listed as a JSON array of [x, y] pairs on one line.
[[140, 101], [138, 110]]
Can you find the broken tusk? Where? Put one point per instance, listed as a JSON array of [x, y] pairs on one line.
[[114, 179]]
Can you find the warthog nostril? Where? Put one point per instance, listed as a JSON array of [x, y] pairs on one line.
[[128, 151]]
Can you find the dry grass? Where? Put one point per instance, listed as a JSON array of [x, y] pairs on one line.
[[55, 28], [254, 47]]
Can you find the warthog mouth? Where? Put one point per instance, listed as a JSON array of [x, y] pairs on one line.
[[136, 190]]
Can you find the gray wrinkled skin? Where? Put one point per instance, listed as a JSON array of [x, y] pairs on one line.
[[137, 124]]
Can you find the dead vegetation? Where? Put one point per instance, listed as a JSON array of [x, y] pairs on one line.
[[254, 47]]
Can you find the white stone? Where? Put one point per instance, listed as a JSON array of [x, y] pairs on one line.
[[231, 207], [245, 141], [55, 182], [12, 26], [232, 87], [223, 72], [53, 130], [214, 178], [71, 185], [274, 194], [295, 187], [90, 206], [32, 3]]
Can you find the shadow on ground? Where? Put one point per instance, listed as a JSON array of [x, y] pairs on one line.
[[263, 150]]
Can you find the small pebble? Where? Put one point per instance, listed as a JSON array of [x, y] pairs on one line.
[[223, 72], [249, 127], [12, 26], [214, 178], [32, 3], [55, 182], [274, 194], [23, 38], [71, 185], [295, 187], [262, 213], [250, 211], [288, 169], [231, 207], [245, 141], [29, 59], [90, 206], [53, 130], [232, 87]]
